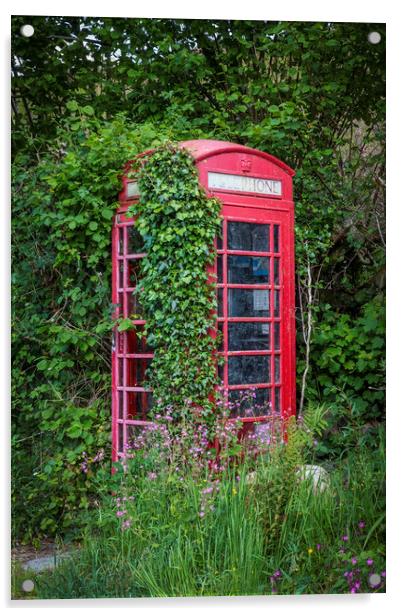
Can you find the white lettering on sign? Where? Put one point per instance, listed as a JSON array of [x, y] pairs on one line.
[[132, 190], [243, 183]]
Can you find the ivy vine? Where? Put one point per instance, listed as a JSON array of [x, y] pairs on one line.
[[178, 223]]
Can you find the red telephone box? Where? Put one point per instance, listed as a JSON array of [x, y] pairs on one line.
[[255, 287]]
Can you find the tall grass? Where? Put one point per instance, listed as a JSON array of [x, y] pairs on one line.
[[240, 529]]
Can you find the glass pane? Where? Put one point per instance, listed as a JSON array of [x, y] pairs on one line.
[[121, 275], [121, 240], [277, 336], [220, 373], [277, 369], [248, 270], [249, 369], [276, 271], [135, 241], [138, 404], [219, 240], [120, 381], [135, 310], [276, 302], [277, 400], [120, 443], [121, 303], [276, 238], [120, 410], [137, 371], [220, 302], [248, 336], [219, 269], [248, 302], [248, 236], [137, 344], [220, 334], [134, 266], [250, 403]]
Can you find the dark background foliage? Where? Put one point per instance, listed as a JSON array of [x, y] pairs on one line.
[[88, 94]]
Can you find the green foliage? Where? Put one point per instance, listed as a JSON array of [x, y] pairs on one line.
[[348, 371], [61, 317], [178, 225]]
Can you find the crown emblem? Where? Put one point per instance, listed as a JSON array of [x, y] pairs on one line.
[[245, 164]]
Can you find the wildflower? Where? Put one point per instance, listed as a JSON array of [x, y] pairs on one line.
[[201, 514], [234, 491], [361, 524], [310, 550], [369, 561], [278, 573], [318, 546], [354, 560], [345, 538], [126, 524], [152, 476], [120, 514], [383, 573]]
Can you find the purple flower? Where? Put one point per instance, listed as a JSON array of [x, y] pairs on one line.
[[383, 573], [126, 524], [345, 538], [120, 514], [369, 561], [361, 524], [354, 560], [318, 546], [277, 573]]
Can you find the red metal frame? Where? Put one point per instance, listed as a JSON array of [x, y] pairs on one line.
[[129, 397]]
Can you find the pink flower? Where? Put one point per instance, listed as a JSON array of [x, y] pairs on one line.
[[126, 524], [369, 561], [120, 514]]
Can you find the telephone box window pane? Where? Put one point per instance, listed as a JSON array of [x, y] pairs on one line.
[[137, 344], [249, 369], [121, 304], [276, 238], [121, 402], [133, 272], [219, 240], [220, 335], [137, 371], [248, 270], [121, 240], [277, 400], [276, 302], [250, 403], [220, 302], [249, 336], [120, 381], [138, 405], [277, 369], [135, 310], [135, 241], [120, 444], [220, 372], [276, 271], [220, 269], [121, 275], [248, 236], [277, 336], [248, 302]]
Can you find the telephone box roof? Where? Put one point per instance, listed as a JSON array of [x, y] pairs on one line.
[[203, 148]]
